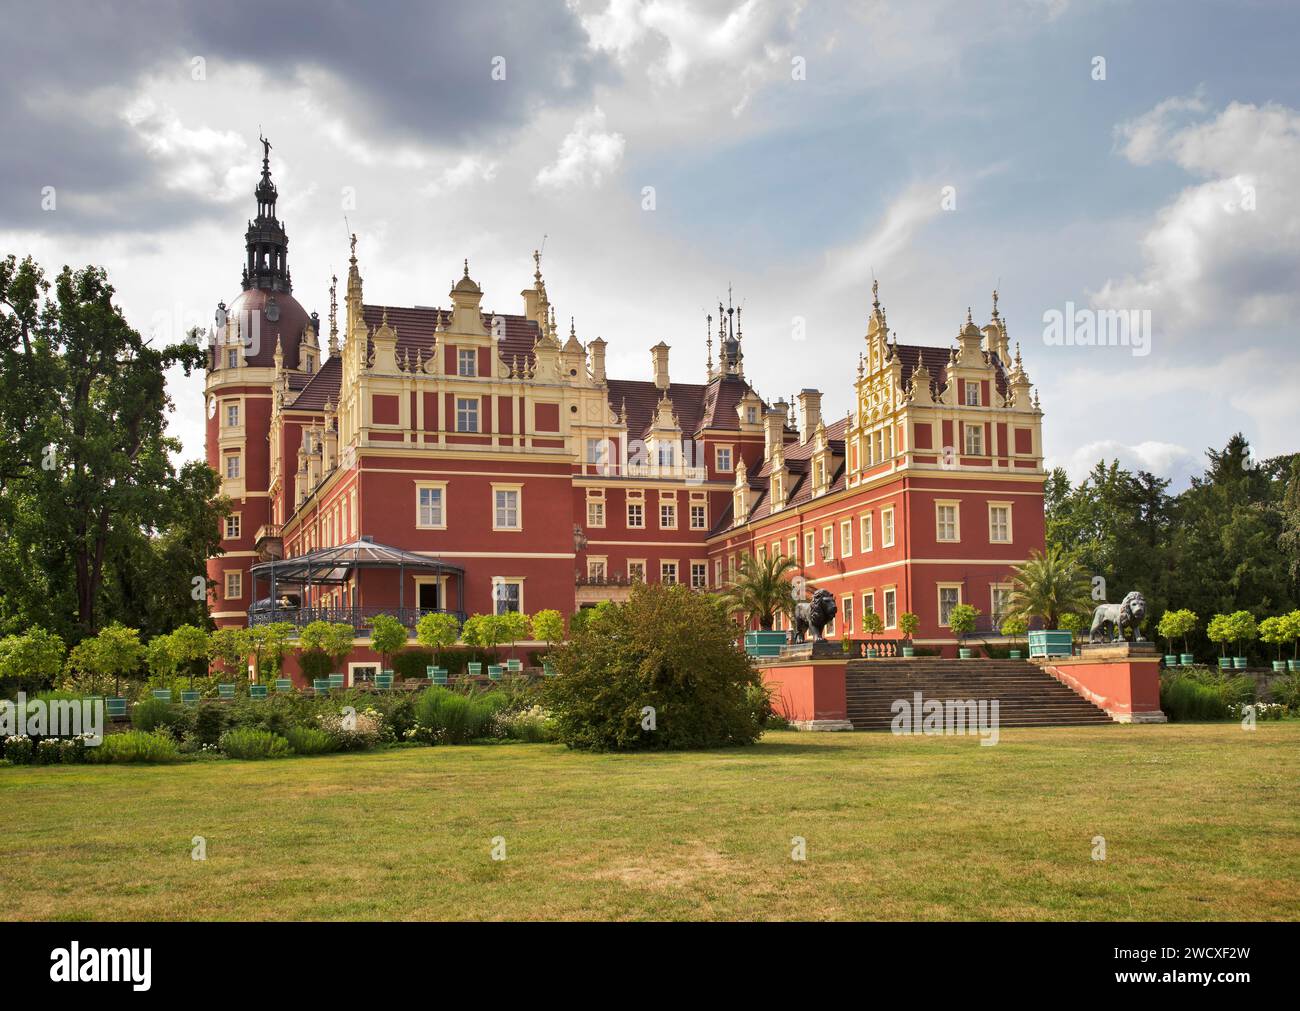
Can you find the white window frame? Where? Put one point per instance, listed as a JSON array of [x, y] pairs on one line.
[[227, 535], [508, 581], [441, 488], [1010, 512], [864, 533], [846, 538], [967, 429], [237, 576], [671, 505], [632, 563], [887, 531], [467, 411], [518, 491], [639, 505], [598, 562], [973, 387], [702, 583], [730, 466], [846, 609], [664, 566], [469, 355], [940, 534], [889, 596], [938, 597], [238, 459]]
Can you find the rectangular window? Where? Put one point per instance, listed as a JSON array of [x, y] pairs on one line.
[[809, 548], [722, 459], [596, 570], [467, 414], [668, 572], [945, 521], [595, 512], [234, 585], [699, 575], [949, 597], [636, 570], [232, 415], [887, 527], [846, 616], [467, 362], [232, 466], [507, 509], [974, 440], [891, 609], [1000, 524], [972, 394], [828, 543], [699, 517], [232, 527], [865, 528], [508, 595], [598, 451], [846, 538], [717, 571], [868, 604], [792, 548], [1000, 599], [666, 454], [635, 515], [232, 359], [667, 515], [429, 502]]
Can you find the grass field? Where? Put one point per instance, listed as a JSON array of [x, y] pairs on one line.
[[1200, 822]]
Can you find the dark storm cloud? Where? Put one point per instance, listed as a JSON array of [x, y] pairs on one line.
[[417, 73]]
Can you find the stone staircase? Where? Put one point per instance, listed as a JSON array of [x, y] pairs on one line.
[[1027, 697]]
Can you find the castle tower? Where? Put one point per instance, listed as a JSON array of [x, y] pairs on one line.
[[263, 327]]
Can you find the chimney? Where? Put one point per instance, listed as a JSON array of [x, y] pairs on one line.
[[810, 407], [596, 348], [659, 356], [774, 428]]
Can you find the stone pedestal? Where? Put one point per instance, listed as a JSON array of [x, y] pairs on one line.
[[1122, 678], [808, 692]]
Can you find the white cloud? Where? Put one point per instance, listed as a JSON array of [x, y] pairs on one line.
[[1163, 459], [1228, 248], [888, 240], [208, 163], [466, 171], [586, 155]]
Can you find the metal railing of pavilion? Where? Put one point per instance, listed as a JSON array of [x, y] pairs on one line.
[[335, 566]]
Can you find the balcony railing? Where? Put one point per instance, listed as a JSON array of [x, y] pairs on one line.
[[360, 618], [669, 471]]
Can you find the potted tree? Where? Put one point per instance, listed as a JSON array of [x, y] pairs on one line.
[[1050, 585], [189, 645], [1242, 630], [438, 631], [1293, 630], [873, 625], [961, 619], [1182, 624], [1218, 630], [908, 623], [387, 636], [759, 590], [1275, 632], [548, 627], [331, 641], [1166, 628], [1014, 627], [117, 652]]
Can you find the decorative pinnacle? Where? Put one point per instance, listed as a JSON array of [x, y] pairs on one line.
[[968, 316], [537, 266], [875, 294], [353, 258], [995, 303]]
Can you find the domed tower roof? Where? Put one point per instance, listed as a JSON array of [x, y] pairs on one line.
[[266, 311]]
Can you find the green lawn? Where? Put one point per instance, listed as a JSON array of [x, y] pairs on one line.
[[1200, 822]]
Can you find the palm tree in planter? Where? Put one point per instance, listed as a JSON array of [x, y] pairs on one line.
[[908, 623], [761, 589], [1049, 585], [961, 619], [873, 625]]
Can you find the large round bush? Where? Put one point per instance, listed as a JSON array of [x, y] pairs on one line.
[[661, 671]]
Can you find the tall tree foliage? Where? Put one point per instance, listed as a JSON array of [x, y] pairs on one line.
[[96, 522], [1230, 542]]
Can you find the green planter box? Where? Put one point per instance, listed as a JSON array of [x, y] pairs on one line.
[[284, 684], [1013, 654], [257, 691], [1239, 663], [1293, 665], [189, 698], [1225, 663], [964, 653], [321, 686], [115, 707], [225, 690], [438, 675], [1051, 642], [494, 672], [1186, 659], [383, 682], [548, 668], [1279, 666], [764, 643], [1171, 660], [909, 651], [163, 694], [475, 670]]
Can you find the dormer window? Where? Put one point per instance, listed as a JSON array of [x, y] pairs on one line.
[[751, 415], [232, 359], [972, 394], [309, 364], [466, 362]]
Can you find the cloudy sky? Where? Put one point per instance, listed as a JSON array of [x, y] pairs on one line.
[[1108, 155]]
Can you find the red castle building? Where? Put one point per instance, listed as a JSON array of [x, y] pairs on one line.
[[447, 459]]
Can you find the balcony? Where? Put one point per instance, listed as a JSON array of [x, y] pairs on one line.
[[268, 543], [667, 472], [359, 618]]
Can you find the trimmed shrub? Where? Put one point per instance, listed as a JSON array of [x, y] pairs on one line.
[[19, 749], [668, 648], [209, 722], [446, 717], [136, 746], [250, 743], [309, 741], [1203, 695]]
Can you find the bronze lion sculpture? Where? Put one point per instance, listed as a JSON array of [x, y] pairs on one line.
[[1110, 620], [815, 614]]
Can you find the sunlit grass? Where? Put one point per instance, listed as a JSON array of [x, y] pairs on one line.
[[1199, 822]]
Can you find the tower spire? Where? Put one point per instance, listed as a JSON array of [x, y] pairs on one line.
[[334, 315], [708, 342], [266, 242]]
